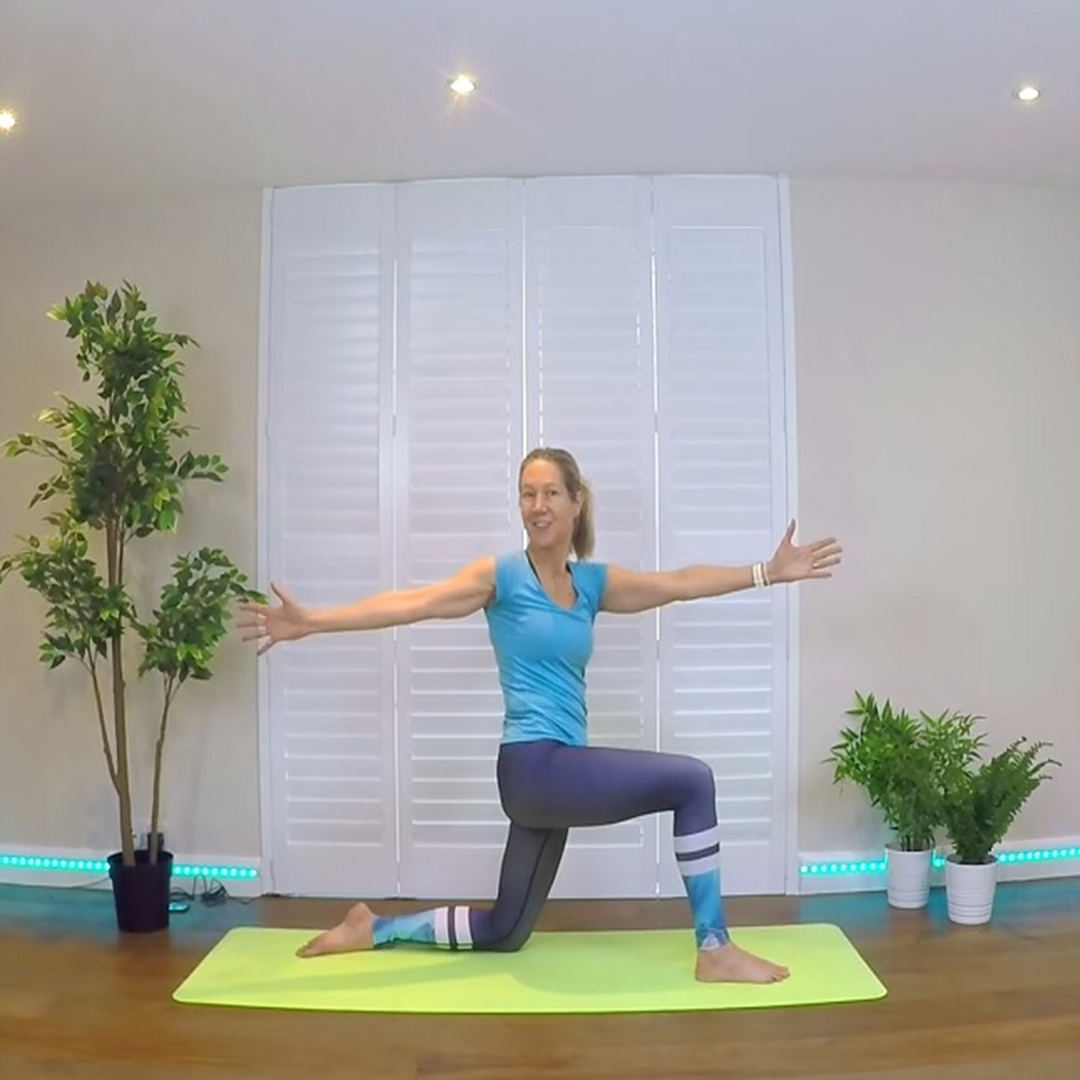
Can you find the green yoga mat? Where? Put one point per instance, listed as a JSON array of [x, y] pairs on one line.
[[613, 971]]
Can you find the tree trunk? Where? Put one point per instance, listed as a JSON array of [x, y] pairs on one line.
[[127, 832], [119, 693], [159, 754]]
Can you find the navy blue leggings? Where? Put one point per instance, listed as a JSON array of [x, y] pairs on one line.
[[548, 788]]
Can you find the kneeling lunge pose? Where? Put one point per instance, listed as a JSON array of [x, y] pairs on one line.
[[540, 607]]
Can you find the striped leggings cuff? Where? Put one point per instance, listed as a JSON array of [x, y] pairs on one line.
[[698, 853], [452, 929]]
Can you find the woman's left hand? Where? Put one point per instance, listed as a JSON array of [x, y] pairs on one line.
[[793, 562]]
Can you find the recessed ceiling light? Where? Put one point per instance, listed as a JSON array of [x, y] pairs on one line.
[[1028, 93], [463, 84], [8, 120]]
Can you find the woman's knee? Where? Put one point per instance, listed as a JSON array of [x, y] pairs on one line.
[[698, 776], [512, 939]]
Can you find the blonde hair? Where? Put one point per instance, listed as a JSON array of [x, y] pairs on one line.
[[584, 538]]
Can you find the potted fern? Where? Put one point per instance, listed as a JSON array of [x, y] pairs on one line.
[[980, 805], [118, 480], [901, 761]]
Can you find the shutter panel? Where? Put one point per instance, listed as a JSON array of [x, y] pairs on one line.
[[330, 699], [723, 689], [459, 437], [382, 747], [589, 352]]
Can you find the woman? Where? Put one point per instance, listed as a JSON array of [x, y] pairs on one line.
[[540, 607]]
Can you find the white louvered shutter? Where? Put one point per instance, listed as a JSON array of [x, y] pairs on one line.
[[459, 436], [328, 528], [589, 352], [720, 359]]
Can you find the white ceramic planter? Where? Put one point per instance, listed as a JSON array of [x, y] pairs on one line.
[[970, 890], [907, 877]]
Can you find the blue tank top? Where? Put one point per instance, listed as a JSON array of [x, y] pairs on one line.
[[542, 650]]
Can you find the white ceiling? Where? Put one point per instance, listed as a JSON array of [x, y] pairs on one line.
[[125, 96]]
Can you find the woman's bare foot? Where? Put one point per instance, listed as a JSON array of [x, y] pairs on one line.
[[352, 934], [729, 963]]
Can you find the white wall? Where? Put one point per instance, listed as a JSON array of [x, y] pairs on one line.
[[938, 351], [938, 342], [198, 265]]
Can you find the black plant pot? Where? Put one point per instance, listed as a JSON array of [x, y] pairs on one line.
[[141, 892]]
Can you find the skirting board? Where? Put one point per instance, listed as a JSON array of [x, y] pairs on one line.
[[71, 878], [1031, 869]]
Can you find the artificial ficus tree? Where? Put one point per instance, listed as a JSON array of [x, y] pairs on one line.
[[119, 478]]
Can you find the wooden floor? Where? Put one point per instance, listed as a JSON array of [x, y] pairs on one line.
[[963, 1003]]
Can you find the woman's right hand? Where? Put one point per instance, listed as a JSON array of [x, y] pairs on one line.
[[268, 625]]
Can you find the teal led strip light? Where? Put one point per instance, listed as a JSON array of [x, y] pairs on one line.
[[183, 870], [877, 866], [100, 866]]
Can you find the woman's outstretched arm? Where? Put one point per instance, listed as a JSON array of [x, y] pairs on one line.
[[455, 597], [629, 591]]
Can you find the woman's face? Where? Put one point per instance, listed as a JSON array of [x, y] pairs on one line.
[[547, 510]]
